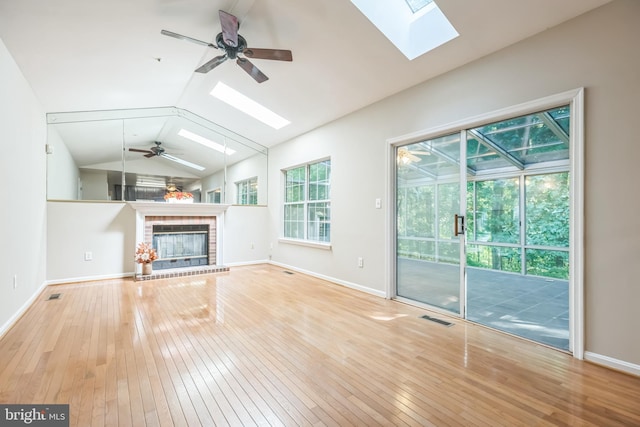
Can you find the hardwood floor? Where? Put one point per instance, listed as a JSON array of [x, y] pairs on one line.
[[257, 346]]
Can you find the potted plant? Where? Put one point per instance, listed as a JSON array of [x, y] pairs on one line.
[[145, 255]]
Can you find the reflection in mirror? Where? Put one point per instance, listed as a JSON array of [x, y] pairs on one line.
[[151, 154]]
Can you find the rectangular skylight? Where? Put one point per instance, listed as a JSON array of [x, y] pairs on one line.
[[182, 162], [206, 142], [248, 106], [414, 34], [416, 5]]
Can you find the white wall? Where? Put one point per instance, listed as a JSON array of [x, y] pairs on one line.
[[23, 229], [62, 171], [254, 166], [245, 238], [598, 51], [213, 182], [106, 229], [95, 185]]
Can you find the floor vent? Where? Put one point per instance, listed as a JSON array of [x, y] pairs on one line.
[[287, 272], [54, 296], [440, 321]]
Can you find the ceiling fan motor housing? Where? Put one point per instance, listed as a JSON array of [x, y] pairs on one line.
[[232, 51]]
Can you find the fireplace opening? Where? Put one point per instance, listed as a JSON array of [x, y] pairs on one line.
[[181, 245]]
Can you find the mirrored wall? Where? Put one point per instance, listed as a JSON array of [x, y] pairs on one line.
[[151, 154]]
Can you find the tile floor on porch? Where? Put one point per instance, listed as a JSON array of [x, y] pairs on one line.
[[535, 308]]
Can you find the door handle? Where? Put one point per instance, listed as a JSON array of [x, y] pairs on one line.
[[458, 225]]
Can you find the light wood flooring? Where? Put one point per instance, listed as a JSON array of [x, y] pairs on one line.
[[258, 346]]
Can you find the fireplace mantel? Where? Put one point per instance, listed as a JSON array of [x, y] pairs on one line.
[[178, 209], [159, 209]]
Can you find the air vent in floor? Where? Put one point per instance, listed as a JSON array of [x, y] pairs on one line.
[[436, 320], [54, 296], [288, 272]]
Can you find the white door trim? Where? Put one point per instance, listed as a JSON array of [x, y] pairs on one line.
[[575, 98]]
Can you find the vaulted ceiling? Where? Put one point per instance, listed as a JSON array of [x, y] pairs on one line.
[[81, 55], [95, 55]]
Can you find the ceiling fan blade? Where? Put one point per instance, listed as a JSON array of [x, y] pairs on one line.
[[252, 70], [137, 150], [190, 39], [275, 54], [150, 155], [230, 26], [210, 65], [182, 162]]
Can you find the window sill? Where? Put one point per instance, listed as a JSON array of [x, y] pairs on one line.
[[308, 243]]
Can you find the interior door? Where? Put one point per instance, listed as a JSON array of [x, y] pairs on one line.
[[430, 190]]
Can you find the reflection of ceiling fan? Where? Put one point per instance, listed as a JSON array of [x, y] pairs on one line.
[[233, 44], [408, 156], [160, 152]]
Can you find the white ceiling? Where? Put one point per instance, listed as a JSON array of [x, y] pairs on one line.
[[95, 55]]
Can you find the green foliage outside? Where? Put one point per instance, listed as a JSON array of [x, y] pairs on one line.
[[493, 225]]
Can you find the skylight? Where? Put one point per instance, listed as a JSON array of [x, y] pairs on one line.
[[414, 30], [248, 106], [182, 162], [205, 141], [416, 5]]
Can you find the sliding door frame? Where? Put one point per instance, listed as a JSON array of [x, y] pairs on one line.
[[575, 98]]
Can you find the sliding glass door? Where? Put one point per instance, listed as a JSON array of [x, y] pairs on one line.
[[487, 238], [429, 225]]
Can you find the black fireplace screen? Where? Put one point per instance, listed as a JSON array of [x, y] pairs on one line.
[[180, 246]]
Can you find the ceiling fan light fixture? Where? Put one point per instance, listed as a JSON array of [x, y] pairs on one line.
[[206, 142], [248, 106]]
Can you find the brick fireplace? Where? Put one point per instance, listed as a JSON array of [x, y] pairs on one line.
[[170, 216], [166, 223]]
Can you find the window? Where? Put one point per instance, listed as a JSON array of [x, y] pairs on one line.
[[307, 205], [247, 191], [213, 196]]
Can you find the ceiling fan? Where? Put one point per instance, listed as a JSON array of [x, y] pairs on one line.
[[159, 151], [234, 44], [409, 156]]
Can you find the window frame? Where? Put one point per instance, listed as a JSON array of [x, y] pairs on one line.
[[244, 189], [305, 203], [216, 191]]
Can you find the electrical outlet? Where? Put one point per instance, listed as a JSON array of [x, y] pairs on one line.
[[252, 245], [360, 262], [88, 256], [15, 281]]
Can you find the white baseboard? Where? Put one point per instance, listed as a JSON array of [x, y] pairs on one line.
[[610, 362], [89, 278], [332, 280], [18, 314], [242, 264]]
